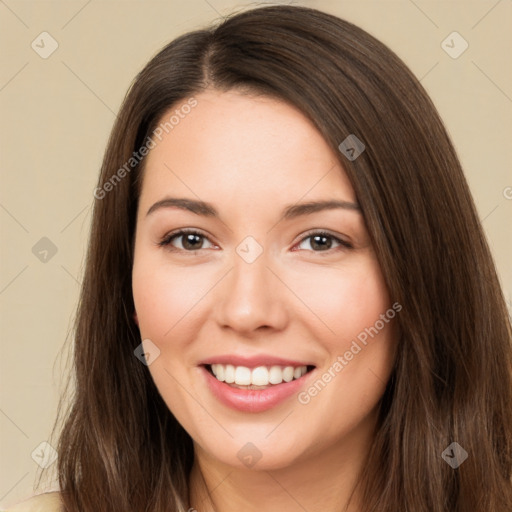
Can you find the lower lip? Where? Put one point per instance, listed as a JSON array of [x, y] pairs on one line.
[[253, 400]]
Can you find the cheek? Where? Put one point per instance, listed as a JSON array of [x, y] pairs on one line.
[[165, 297], [344, 302]]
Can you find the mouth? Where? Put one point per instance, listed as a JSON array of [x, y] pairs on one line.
[[256, 389], [259, 378]]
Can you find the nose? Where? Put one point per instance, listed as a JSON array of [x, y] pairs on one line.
[[251, 298]]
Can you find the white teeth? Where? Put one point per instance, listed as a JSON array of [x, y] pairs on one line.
[[220, 372], [242, 376], [288, 374], [260, 376], [229, 373]]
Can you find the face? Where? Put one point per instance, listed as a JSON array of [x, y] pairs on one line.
[[259, 284]]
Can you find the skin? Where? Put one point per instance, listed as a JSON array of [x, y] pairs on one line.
[[250, 156]]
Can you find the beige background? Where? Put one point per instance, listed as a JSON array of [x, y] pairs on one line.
[[56, 114]]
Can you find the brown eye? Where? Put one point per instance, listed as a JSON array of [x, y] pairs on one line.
[[321, 241], [190, 240]]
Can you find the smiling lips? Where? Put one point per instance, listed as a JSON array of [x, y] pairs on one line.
[[254, 384], [261, 376]]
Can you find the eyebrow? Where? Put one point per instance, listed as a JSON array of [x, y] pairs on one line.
[[290, 212]]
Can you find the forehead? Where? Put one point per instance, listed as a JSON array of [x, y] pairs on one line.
[[241, 147]]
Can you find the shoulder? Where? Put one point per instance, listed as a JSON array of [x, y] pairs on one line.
[[47, 502]]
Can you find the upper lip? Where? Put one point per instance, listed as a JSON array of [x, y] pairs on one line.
[[253, 361]]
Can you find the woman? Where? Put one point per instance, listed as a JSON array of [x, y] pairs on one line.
[[288, 302]]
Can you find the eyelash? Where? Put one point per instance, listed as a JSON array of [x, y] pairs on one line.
[[167, 239]]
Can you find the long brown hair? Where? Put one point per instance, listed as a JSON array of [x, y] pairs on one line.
[[122, 449]]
